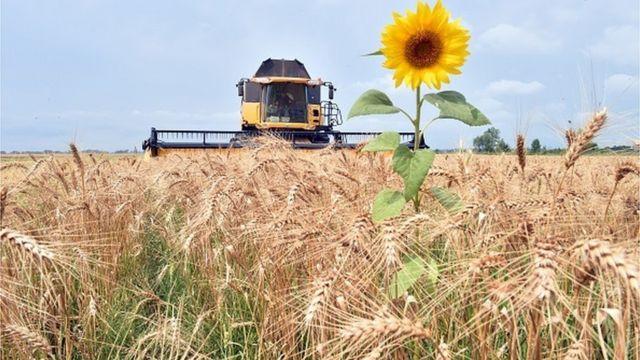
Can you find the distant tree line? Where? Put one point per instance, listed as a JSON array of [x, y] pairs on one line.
[[491, 142]]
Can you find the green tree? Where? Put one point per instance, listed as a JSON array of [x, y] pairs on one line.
[[503, 146], [535, 146], [488, 141]]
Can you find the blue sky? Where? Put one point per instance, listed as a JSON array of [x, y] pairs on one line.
[[101, 73]]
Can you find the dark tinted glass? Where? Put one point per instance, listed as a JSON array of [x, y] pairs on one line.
[[252, 92], [313, 94], [282, 68]]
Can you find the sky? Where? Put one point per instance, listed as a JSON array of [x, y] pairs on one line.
[[102, 73]]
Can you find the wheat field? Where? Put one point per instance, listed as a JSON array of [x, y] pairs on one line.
[[272, 253]]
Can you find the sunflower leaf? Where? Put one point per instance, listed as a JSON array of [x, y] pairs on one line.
[[372, 102], [413, 167], [387, 141], [413, 269], [387, 204], [453, 105], [447, 199], [375, 53]]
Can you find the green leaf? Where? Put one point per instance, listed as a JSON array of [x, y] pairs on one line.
[[453, 105], [413, 167], [412, 270], [432, 276], [375, 53], [387, 204], [447, 199], [372, 102], [387, 141]]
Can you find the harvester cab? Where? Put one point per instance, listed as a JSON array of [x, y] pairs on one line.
[[281, 99]]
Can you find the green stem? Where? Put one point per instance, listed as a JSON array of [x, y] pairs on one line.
[[416, 122], [416, 140]]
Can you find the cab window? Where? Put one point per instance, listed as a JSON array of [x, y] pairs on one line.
[[285, 103]]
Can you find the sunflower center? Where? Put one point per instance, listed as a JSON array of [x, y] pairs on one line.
[[423, 49]]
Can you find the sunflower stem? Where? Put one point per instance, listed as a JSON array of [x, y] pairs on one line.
[[416, 140], [416, 123]]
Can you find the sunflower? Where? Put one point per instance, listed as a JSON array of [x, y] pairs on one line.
[[424, 47]]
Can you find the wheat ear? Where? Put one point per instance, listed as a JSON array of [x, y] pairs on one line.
[[387, 327], [76, 157], [21, 335], [3, 202], [600, 254], [622, 171], [543, 280], [26, 244], [570, 135], [580, 142], [576, 351], [521, 151]]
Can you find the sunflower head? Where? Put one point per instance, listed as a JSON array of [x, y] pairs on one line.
[[424, 46]]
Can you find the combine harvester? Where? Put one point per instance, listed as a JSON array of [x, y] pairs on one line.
[[282, 100]]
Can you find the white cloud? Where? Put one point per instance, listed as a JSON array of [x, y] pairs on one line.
[[514, 87], [494, 109], [513, 39], [488, 104], [619, 45], [621, 83]]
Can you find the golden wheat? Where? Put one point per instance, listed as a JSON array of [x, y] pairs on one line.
[[272, 253]]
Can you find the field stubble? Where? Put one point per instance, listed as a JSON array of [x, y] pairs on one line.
[[270, 253]]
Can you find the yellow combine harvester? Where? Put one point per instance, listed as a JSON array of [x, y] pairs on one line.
[[280, 99]]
